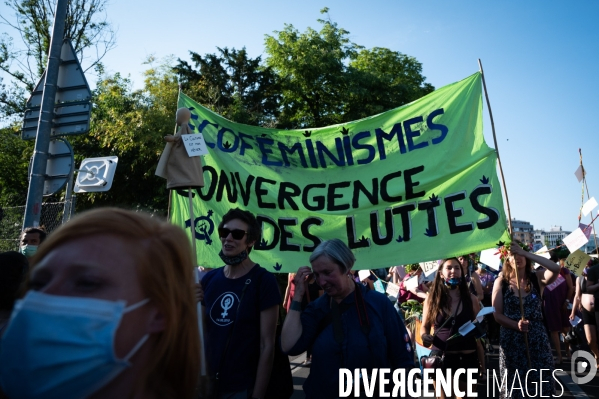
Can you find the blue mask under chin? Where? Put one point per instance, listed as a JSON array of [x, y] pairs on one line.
[[452, 283]]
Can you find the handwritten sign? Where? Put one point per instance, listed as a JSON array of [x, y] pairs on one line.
[[392, 290], [428, 267], [194, 144], [577, 261], [575, 240]]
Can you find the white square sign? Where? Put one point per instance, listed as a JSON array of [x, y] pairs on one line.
[[96, 174], [194, 144]]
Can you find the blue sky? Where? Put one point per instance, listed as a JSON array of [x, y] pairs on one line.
[[540, 60]]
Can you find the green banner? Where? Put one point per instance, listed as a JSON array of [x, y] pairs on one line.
[[412, 184]]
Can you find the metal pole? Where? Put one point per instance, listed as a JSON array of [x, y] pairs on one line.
[[68, 205], [42, 141]]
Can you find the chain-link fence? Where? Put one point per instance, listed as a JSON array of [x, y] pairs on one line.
[[11, 220]]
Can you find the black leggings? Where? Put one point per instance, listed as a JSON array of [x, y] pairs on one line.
[[588, 318]]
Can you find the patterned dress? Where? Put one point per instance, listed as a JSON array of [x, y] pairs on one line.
[[512, 349]]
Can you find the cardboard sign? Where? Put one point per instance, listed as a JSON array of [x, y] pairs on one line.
[[575, 240], [392, 290], [428, 267], [194, 144], [577, 261]]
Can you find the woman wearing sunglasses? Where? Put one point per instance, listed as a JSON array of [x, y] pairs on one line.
[[241, 302]]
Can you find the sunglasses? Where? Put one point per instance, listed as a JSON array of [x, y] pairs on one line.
[[236, 233]]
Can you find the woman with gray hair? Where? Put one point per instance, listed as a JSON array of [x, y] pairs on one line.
[[349, 326]]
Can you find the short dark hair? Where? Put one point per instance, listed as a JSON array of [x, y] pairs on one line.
[[254, 232], [40, 230]]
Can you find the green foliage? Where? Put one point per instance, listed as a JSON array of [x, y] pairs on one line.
[[233, 85], [313, 74], [131, 125], [14, 158], [326, 79], [25, 62]]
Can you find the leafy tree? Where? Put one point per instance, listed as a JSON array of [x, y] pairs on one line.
[[131, 124], [24, 63], [327, 79], [383, 80], [313, 73], [232, 84], [14, 158]]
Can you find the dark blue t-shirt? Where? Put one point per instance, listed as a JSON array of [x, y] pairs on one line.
[[221, 300]]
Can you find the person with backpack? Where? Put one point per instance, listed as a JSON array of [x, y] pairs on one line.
[[512, 348]]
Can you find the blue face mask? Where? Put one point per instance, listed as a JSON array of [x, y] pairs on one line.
[[28, 250], [452, 283], [62, 347]]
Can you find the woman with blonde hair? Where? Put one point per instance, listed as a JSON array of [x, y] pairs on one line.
[[109, 313]]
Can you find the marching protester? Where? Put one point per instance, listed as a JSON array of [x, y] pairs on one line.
[[13, 269], [475, 288], [241, 303], [396, 274], [349, 326], [556, 298], [584, 301], [418, 292], [512, 348], [472, 279], [448, 306], [487, 279], [30, 239], [109, 313]]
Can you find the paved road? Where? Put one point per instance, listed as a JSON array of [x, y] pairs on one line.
[[571, 390]]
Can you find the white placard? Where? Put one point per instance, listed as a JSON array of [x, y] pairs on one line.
[[589, 206], [575, 240], [363, 274], [392, 290], [575, 321], [410, 283], [428, 267], [490, 258], [579, 174], [544, 252], [194, 144]]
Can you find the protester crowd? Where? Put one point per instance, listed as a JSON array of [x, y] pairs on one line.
[[107, 307]]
